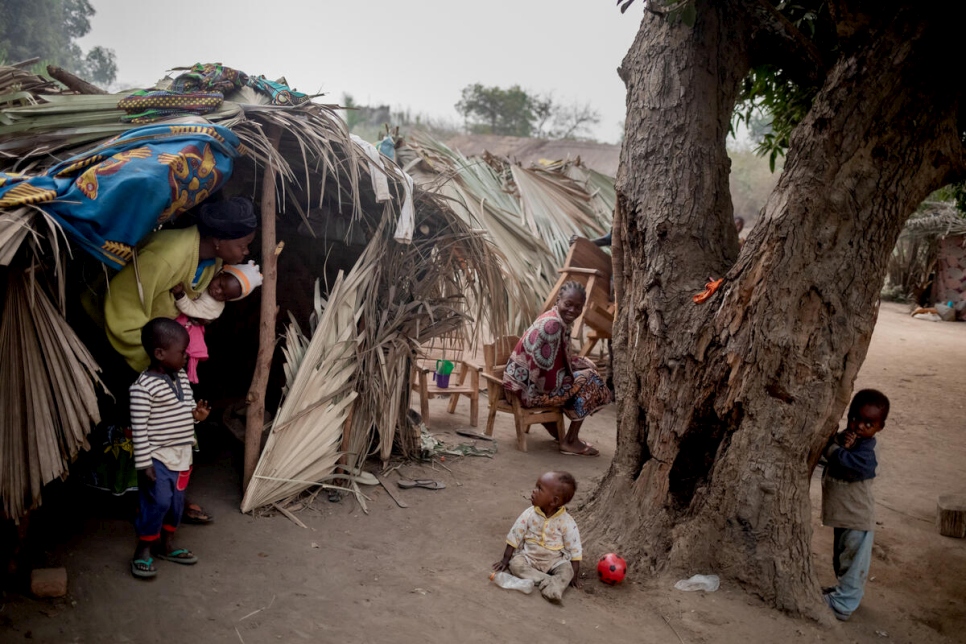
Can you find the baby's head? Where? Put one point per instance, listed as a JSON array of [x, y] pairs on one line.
[[235, 282], [224, 287], [166, 342], [868, 413], [553, 490]]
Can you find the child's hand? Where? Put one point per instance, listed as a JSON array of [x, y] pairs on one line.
[[201, 411], [150, 473], [177, 290], [848, 439], [575, 580], [501, 565]]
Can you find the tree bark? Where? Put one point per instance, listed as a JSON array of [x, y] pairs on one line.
[[725, 405]]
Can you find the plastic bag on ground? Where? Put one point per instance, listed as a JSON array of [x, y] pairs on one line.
[[707, 583]]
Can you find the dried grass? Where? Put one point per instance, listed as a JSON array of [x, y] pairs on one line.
[[48, 380]]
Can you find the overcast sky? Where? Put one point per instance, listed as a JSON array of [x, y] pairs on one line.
[[417, 54]]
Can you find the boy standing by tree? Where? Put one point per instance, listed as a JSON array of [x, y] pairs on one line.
[[163, 416], [847, 501]]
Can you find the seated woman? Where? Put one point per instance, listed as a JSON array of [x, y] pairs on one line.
[[542, 372]]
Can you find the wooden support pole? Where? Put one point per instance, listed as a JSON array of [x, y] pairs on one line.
[[255, 415], [79, 85]]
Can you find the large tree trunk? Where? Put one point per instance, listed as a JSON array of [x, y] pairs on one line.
[[724, 406]]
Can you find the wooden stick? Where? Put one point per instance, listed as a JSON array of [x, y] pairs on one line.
[[26, 63], [671, 626], [289, 515], [255, 416], [392, 494], [79, 85]]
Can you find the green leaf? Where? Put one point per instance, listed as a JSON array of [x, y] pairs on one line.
[[689, 14]]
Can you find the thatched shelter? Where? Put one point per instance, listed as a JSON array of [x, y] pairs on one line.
[[362, 280], [529, 211], [928, 264]]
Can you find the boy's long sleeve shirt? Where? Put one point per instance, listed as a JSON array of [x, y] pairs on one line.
[[162, 425], [847, 499]]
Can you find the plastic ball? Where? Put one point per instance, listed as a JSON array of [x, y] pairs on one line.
[[611, 569]]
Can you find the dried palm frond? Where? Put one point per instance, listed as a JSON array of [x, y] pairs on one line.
[[14, 228], [48, 399], [939, 219], [396, 297], [555, 207], [303, 444]]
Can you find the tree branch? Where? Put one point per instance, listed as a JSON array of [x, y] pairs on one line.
[[847, 22], [800, 52]]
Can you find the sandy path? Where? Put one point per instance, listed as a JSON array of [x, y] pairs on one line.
[[420, 574]]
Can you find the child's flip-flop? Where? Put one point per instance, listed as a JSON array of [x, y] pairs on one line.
[[181, 556], [143, 568], [428, 484]]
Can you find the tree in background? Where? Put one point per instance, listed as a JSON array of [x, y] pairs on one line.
[[48, 29], [724, 406], [494, 110], [516, 112], [566, 121]]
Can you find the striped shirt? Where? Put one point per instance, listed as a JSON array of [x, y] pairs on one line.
[[160, 415]]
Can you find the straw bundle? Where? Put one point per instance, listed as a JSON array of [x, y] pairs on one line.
[[528, 213], [48, 381]]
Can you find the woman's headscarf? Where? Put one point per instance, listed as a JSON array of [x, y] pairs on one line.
[[229, 219]]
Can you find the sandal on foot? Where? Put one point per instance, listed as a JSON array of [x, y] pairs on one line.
[[428, 484], [195, 514], [143, 568], [587, 450], [181, 556]]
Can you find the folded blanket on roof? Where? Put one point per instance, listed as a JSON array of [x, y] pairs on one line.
[[109, 198], [214, 77], [145, 106], [209, 77]]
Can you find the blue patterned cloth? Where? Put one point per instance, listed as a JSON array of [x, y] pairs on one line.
[[109, 198]]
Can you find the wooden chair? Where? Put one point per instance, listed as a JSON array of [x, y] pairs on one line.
[[447, 349], [592, 267], [495, 357], [601, 322]]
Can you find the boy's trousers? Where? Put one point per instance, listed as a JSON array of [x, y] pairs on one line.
[[852, 556], [161, 502]]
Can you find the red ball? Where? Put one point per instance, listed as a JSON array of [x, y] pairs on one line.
[[611, 569]]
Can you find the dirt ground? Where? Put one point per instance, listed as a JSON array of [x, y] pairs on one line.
[[419, 574]]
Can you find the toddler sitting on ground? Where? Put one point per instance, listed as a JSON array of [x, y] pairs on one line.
[[544, 543]]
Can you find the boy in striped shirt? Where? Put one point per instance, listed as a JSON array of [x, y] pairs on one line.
[[163, 416]]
